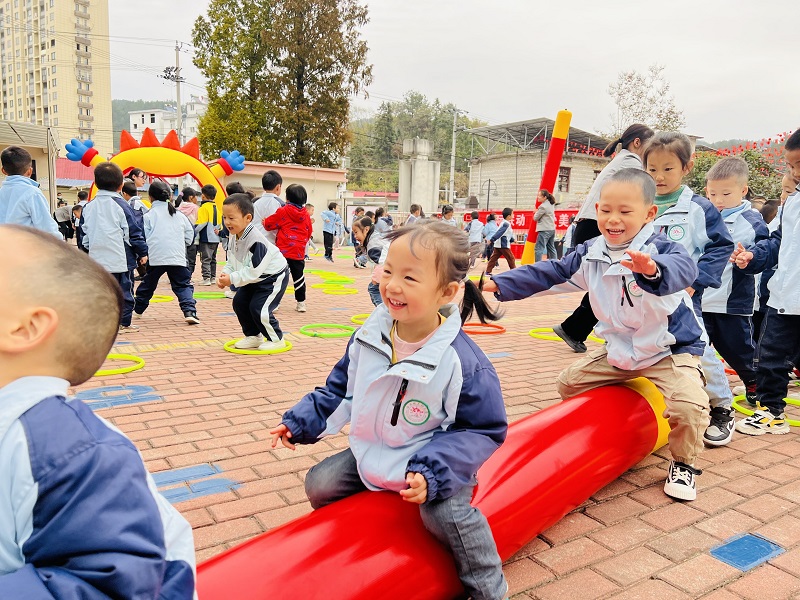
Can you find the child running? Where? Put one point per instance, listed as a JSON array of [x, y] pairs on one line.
[[636, 279], [779, 345], [260, 274], [168, 233], [693, 222], [376, 248], [81, 517], [293, 227], [728, 309], [445, 421], [474, 231]]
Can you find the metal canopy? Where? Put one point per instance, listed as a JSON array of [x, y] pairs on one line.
[[533, 134]]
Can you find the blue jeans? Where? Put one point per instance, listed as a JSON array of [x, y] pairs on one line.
[[545, 242], [778, 353], [375, 293], [453, 521]]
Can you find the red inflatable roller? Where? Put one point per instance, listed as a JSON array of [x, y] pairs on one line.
[[373, 545]]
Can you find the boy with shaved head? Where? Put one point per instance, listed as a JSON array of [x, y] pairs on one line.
[[80, 516]]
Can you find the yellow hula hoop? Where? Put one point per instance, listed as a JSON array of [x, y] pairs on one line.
[[541, 333], [138, 363], [747, 411], [359, 319], [340, 292], [254, 351], [157, 298], [327, 286]]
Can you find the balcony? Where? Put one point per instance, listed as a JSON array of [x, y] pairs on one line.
[[85, 104], [86, 130], [83, 54], [83, 41], [80, 27], [84, 92], [82, 2], [82, 14]]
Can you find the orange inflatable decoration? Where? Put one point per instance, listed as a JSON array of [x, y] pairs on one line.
[[166, 158]]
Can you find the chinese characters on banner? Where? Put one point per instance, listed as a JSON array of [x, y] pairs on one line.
[[522, 219]]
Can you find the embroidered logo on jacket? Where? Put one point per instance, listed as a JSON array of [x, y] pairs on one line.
[[416, 412], [676, 232]]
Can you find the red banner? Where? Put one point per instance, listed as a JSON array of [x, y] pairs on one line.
[[522, 219]]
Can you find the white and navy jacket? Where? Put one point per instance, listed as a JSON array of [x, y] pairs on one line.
[[782, 248], [113, 232], [377, 248], [737, 294], [263, 207], [167, 235], [762, 279], [696, 224], [23, 203], [80, 517], [504, 236], [642, 320], [624, 159], [439, 412], [252, 259]]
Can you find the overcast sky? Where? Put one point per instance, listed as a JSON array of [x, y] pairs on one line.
[[730, 62]]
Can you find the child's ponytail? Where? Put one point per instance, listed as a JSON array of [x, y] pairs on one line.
[[474, 301], [161, 192]]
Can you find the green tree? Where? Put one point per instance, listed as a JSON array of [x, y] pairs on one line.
[[280, 74], [763, 178]]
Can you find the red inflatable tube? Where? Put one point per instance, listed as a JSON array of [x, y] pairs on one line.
[[373, 545]]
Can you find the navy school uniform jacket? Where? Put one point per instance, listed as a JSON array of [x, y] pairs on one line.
[[80, 517], [696, 224], [113, 232], [642, 320], [449, 421]]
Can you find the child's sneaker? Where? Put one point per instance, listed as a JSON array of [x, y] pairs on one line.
[[681, 481], [720, 430], [229, 293], [301, 307], [739, 390], [577, 346], [750, 395], [273, 345], [206, 282], [137, 315], [128, 328], [191, 318], [763, 421], [249, 342]]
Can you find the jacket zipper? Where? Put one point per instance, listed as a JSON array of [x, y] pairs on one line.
[[625, 294], [401, 393]]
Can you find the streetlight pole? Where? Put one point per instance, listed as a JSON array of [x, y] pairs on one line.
[[488, 183]]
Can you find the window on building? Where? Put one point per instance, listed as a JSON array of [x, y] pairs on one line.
[[152, 118], [135, 125], [52, 83], [142, 119], [20, 115], [55, 108], [55, 95], [52, 69], [563, 179], [52, 43], [55, 122], [53, 56]]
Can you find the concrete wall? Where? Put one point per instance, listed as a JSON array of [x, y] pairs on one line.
[[516, 178]]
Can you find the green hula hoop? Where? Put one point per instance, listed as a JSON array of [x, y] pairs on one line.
[[138, 363], [359, 319], [339, 280], [343, 330], [541, 333], [209, 295], [748, 411], [158, 298], [255, 351]]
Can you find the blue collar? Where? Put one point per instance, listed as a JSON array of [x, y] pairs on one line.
[[21, 179], [727, 212], [22, 394]]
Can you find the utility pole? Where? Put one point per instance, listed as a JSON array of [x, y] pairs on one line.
[[451, 192], [178, 80]]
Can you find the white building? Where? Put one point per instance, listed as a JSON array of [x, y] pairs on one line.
[[195, 109], [160, 120]]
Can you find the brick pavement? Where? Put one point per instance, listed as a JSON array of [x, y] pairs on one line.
[[202, 429]]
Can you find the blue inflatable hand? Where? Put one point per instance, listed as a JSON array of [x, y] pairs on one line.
[[234, 159], [77, 148]]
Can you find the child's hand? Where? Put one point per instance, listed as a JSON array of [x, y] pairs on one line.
[[741, 257], [489, 286], [143, 260], [224, 280], [640, 262], [282, 433], [417, 491]]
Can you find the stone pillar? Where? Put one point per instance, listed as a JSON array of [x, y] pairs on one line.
[[419, 177]]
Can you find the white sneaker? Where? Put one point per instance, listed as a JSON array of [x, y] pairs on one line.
[[763, 421], [206, 282], [229, 293], [301, 307], [137, 315], [720, 429], [739, 390], [128, 328], [249, 342], [681, 481], [273, 345]]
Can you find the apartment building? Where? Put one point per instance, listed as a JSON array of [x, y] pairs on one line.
[[55, 62]]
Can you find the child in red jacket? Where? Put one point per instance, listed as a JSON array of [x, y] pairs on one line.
[[294, 230]]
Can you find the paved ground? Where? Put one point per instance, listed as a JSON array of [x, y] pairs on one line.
[[200, 416]]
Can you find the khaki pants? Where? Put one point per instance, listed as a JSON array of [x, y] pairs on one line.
[[678, 377]]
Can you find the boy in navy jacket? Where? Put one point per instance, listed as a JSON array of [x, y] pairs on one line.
[[636, 280], [80, 516]]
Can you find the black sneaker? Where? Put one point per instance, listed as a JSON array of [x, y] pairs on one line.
[[720, 430], [681, 481], [191, 318], [750, 395], [577, 346]]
